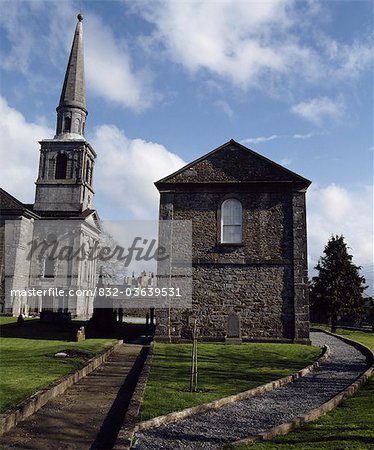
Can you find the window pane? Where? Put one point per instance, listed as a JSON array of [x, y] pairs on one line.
[[49, 268], [231, 212], [232, 234], [231, 217]]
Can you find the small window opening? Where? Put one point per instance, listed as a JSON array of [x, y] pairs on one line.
[[61, 166], [67, 124], [49, 268]]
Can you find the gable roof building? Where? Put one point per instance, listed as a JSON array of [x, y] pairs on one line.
[[249, 256]]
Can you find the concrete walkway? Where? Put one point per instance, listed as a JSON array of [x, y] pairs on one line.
[[88, 415], [239, 420]]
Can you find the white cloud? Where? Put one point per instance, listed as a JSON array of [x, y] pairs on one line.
[[303, 136], [253, 43], [19, 152], [25, 44], [239, 52], [225, 107], [320, 109], [22, 39], [127, 170], [247, 43], [336, 210], [286, 161], [259, 139], [109, 70], [345, 61]]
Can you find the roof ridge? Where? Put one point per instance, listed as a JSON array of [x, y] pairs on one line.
[[221, 147]]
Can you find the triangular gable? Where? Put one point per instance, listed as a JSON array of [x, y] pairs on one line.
[[232, 162], [92, 218], [10, 205]]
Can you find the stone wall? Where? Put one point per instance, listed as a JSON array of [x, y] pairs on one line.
[[263, 279], [254, 279], [17, 265], [300, 269], [267, 226], [261, 295]]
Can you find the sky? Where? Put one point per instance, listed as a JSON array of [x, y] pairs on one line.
[[168, 81]]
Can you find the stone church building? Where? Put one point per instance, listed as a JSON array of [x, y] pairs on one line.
[[249, 254], [62, 211]]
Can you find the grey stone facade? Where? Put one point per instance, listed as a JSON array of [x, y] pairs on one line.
[[13, 249], [264, 277]]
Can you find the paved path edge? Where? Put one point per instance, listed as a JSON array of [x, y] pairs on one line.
[[126, 434], [326, 407], [32, 404], [216, 404]]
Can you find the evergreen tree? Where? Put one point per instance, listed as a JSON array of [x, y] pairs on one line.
[[337, 289]]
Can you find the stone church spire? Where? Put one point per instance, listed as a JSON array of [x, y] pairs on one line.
[[66, 165], [71, 111]]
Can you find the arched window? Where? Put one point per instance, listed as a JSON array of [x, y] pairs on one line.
[[61, 164], [49, 267], [231, 221], [67, 124]]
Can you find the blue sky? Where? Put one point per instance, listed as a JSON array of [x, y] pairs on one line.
[[168, 81]]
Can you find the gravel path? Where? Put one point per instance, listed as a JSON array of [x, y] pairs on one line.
[[213, 429]]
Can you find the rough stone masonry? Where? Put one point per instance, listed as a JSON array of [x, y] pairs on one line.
[[259, 271]]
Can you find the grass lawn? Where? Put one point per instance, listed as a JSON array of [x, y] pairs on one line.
[[4, 320], [365, 337], [222, 370], [27, 364], [348, 427]]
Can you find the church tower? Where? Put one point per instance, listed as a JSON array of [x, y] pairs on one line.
[[64, 183]]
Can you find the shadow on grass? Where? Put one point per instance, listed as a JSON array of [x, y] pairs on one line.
[[35, 329], [130, 332]]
